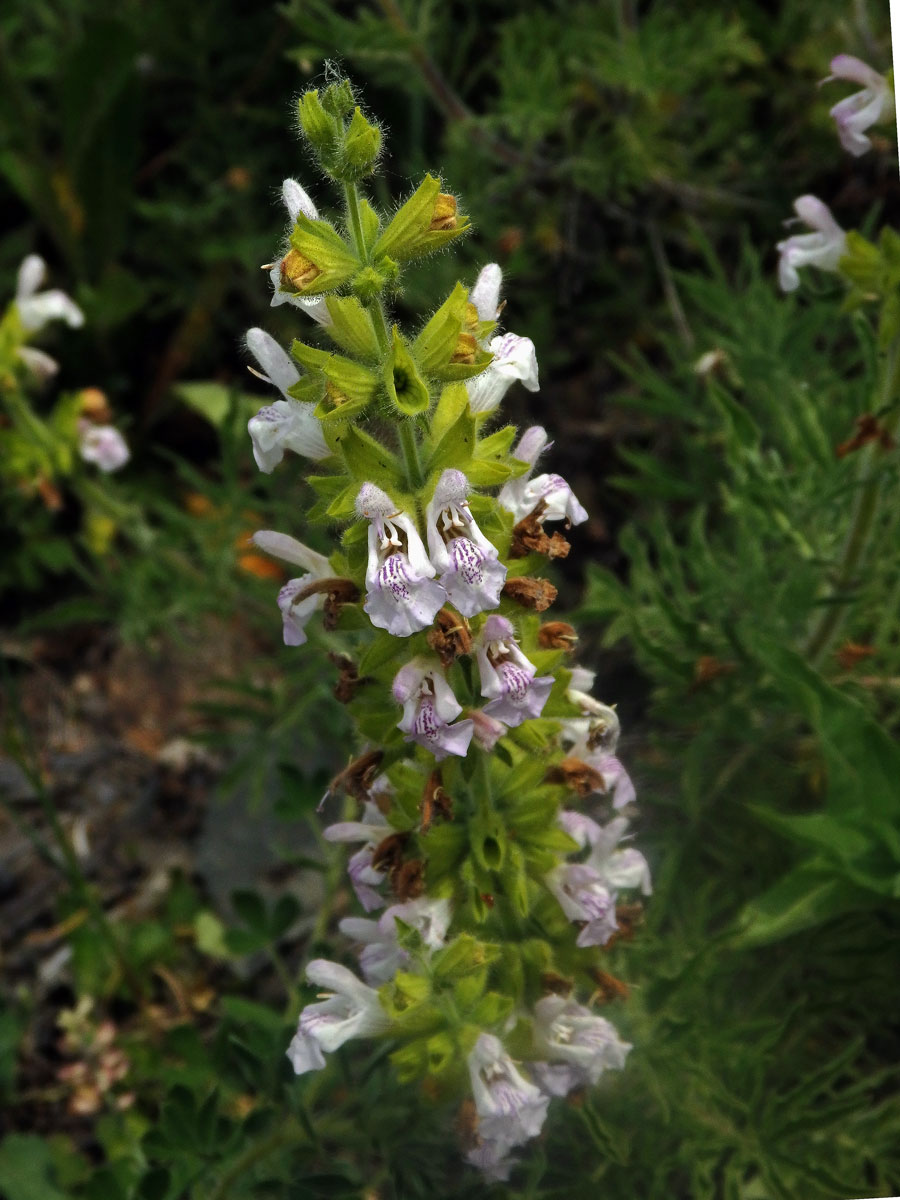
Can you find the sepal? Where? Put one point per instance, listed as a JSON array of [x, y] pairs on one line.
[[349, 385], [427, 221], [320, 245], [405, 387], [366, 458], [437, 342], [362, 145], [320, 127], [351, 327]]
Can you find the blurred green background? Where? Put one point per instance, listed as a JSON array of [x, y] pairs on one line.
[[629, 165]]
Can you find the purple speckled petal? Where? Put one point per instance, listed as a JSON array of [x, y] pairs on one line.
[[400, 602]]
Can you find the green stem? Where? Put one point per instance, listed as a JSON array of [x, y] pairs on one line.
[[409, 447], [352, 197], [405, 432], [379, 322], [862, 522]]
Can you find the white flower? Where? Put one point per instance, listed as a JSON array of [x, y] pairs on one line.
[[579, 1045], [297, 201], [287, 424], [382, 955], [584, 896], [429, 710], [401, 595], [350, 1009], [295, 612], [854, 114], [598, 728], [614, 867], [521, 496], [102, 445], [371, 831], [824, 248], [510, 1109], [508, 679], [36, 308], [514, 359], [465, 560], [41, 365], [485, 294]]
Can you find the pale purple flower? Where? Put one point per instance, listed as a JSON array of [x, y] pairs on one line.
[[514, 359], [510, 1108], [823, 248], [579, 1046], [429, 708], [401, 595], [487, 730], [296, 201], [584, 897], [615, 777], [522, 495], [103, 446], [287, 424], [854, 114], [349, 1009], [466, 562], [371, 831], [508, 679], [36, 308], [493, 1159], [382, 955], [616, 868], [295, 613]]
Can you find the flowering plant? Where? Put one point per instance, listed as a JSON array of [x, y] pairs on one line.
[[38, 454], [480, 745]]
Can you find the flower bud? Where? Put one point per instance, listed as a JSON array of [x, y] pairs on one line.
[[362, 145], [338, 99], [319, 128]]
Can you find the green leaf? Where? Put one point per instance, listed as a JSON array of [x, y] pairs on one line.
[[806, 896], [250, 908], [26, 1169], [213, 401]]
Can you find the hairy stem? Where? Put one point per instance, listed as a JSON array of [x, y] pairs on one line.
[[352, 196], [410, 449]]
